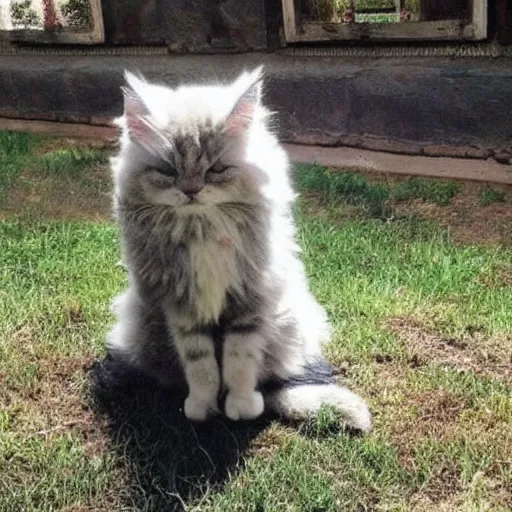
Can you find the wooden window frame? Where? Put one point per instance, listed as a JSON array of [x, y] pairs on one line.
[[90, 36], [474, 29]]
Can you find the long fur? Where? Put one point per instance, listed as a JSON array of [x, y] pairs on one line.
[[218, 299]]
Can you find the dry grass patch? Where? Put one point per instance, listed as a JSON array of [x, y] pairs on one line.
[[58, 178], [50, 144], [483, 494], [43, 391], [269, 441], [500, 277], [460, 442], [436, 433], [475, 213], [53, 400], [468, 219], [487, 357], [60, 196]]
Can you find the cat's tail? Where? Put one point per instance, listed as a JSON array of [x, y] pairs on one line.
[[298, 398]]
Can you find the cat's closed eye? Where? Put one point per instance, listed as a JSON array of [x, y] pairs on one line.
[[165, 170], [219, 173], [162, 176], [218, 168]]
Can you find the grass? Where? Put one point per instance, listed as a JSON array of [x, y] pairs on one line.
[[70, 160], [366, 11], [422, 324], [42, 177], [14, 148], [437, 192], [377, 18], [378, 197], [489, 195]]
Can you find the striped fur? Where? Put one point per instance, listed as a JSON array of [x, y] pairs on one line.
[[218, 298]]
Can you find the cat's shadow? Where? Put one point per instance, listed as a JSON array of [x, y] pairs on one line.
[[169, 461]]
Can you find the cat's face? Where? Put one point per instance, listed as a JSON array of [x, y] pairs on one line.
[[185, 148]]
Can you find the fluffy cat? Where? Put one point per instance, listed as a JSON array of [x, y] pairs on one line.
[[218, 301]]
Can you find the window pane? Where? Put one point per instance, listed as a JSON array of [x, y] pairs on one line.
[[46, 14], [381, 11]]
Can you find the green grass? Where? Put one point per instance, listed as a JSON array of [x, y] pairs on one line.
[[69, 441], [15, 149], [377, 18], [489, 195], [378, 197], [375, 4], [439, 192], [70, 160], [22, 151], [40, 177]]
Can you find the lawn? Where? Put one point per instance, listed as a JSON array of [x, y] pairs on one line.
[[416, 276]]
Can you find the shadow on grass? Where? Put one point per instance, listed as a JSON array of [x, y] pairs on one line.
[[170, 460]]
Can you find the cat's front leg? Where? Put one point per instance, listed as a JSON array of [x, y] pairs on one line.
[[197, 355], [241, 364]]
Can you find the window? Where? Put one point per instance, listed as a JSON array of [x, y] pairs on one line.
[[52, 21], [384, 20]]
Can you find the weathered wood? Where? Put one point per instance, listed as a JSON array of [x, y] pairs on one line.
[[478, 12], [426, 30], [93, 35], [289, 21], [436, 28]]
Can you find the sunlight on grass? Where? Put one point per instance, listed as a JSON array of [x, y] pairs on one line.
[[443, 419], [15, 152], [40, 179], [489, 195], [440, 192], [70, 160]]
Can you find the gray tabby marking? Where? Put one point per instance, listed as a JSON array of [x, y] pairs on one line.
[[218, 299]]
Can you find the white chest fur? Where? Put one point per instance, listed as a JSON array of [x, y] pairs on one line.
[[213, 264]]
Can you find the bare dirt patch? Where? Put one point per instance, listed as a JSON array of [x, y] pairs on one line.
[[487, 357], [467, 219], [442, 424], [485, 491], [411, 419], [61, 197], [53, 400], [57, 143], [270, 440], [62, 178]]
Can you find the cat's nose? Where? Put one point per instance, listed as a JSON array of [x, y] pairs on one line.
[[192, 190]]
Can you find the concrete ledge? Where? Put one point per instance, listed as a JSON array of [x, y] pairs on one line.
[[361, 159], [438, 106], [58, 129], [378, 161]]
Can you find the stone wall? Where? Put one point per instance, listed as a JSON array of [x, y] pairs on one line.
[[436, 106]]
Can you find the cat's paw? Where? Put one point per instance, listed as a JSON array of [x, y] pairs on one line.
[[244, 407], [199, 410]]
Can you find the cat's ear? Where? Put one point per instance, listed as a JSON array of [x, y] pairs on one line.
[[135, 111], [248, 89]]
